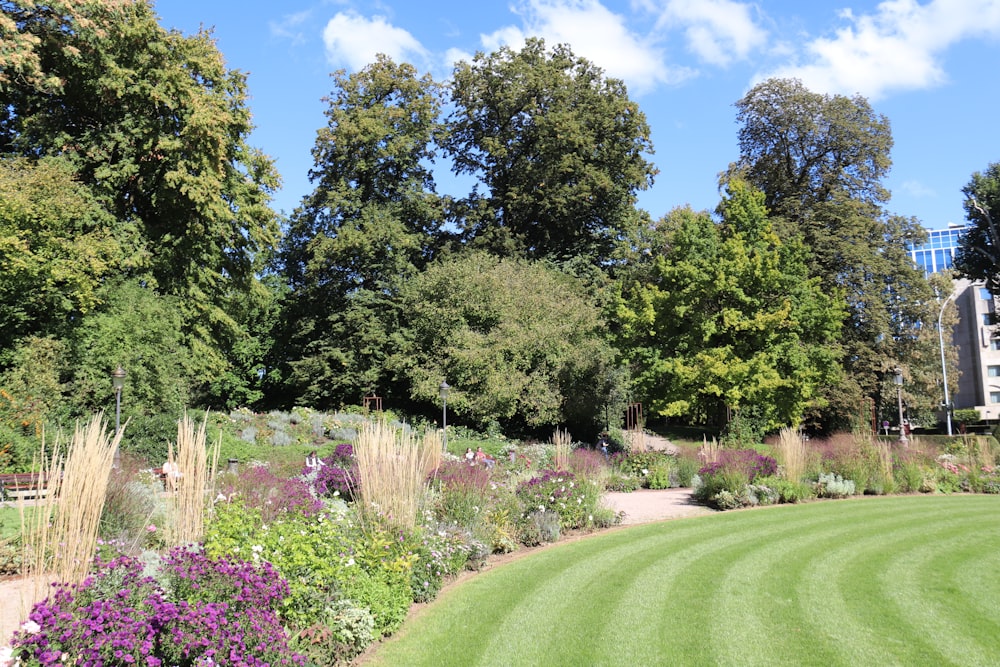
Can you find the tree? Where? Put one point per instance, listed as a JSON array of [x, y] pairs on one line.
[[558, 149], [155, 126], [519, 342], [727, 319], [57, 246], [370, 224], [978, 257], [820, 161]]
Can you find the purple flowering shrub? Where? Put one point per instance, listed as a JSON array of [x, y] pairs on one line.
[[200, 611], [463, 494], [731, 474], [574, 500], [337, 479], [259, 488]]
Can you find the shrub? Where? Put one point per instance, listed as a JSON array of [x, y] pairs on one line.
[[259, 488], [571, 499], [342, 632], [120, 616], [587, 463], [787, 491], [832, 485], [687, 470], [622, 483], [332, 480], [538, 527]]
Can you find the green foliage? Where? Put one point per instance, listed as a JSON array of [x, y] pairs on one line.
[[342, 631], [966, 416], [727, 317], [786, 491], [978, 257], [142, 171], [367, 228], [820, 161], [518, 342], [558, 147], [832, 485]]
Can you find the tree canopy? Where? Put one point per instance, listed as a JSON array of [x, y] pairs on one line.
[[728, 319], [558, 148], [979, 255]]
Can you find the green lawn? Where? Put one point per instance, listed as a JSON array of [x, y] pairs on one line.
[[911, 580], [10, 519]]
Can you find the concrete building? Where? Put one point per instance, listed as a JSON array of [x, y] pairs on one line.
[[977, 341]]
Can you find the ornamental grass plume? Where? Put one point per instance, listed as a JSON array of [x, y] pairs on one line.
[[196, 481], [63, 537], [563, 442], [391, 468], [792, 453]]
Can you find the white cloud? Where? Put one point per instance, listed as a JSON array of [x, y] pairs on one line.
[[595, 33], [717, 31], [898, 47], [355, 40], [917, 189], [290, 27]]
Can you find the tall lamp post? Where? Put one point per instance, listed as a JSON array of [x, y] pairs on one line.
[[944, 366], [118, 381], [899, 399], [443, 390]]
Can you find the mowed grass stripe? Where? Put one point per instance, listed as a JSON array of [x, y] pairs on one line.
[[921, 582], [790, 585]]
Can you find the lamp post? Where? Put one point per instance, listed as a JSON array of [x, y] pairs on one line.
[[118, 382], [899, 399], [443, 390], [944, 366]]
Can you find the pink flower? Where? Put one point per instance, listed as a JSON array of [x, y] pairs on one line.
[[151, 528]]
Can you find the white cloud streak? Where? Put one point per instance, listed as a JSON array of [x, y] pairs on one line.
[[718, 32], [355, 40], [898, 47]]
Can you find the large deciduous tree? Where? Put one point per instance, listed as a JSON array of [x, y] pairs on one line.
[[979, 255], [370, 224], [727, 320], [558, 149], [155, 125], [820, 161], [520, 343]]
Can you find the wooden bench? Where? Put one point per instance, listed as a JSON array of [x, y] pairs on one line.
[[22, 485]]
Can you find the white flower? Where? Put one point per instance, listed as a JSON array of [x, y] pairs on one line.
[[30, 627], [350, 562], [220, 498], [541, 507], [645, 471], [257, 548], [6, 656]]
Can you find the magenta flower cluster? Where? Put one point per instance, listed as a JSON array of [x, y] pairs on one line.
[[199, 611], [333, 479], [746, 461], [274, 496], [460, 475]]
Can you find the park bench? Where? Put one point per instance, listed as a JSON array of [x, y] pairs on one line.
[[22, 485]]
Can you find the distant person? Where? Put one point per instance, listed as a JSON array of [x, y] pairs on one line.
[[171, 472], [602, 444], [469, 456], [313, 461]]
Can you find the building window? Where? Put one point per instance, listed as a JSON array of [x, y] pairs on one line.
[[995, 397], [995, 344], [987, 319], [984, 294], [993, 371]]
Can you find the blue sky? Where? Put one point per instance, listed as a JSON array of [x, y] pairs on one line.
[[930, 67]]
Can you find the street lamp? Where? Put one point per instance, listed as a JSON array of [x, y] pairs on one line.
[[443, 390], [118, 382], [899, 400], [944, 366]]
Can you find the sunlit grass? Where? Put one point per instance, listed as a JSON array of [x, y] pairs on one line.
[[909, 580]]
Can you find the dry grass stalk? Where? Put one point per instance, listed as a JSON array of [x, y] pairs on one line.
[[432, 450], [391, 465], [196, 480], [709, 451], [564, 443], [63, 538], [792, 451]]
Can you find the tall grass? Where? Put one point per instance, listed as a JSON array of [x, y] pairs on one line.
[[564, 444], [392, 467], [61, 538], [709, 451], [792, 453], [197, 479]]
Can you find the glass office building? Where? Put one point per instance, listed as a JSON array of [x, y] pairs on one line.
[[938, 253]]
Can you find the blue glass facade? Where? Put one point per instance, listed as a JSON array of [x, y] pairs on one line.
[[938, 253]]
